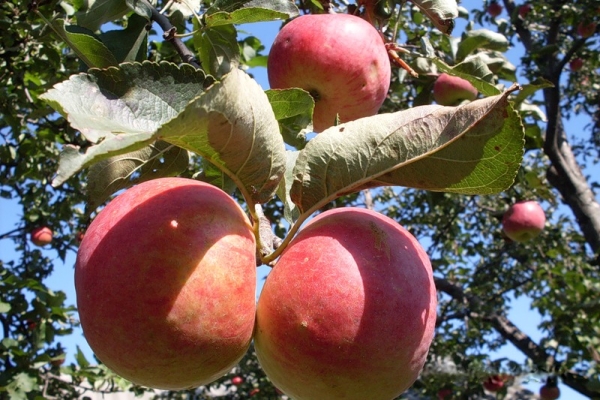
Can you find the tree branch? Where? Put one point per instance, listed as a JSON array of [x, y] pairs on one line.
[[518, 338]]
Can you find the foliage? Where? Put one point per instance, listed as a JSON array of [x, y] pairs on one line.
[[93, 101]]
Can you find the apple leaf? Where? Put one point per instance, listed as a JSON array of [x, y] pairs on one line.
[[290, 211], [120, 109], [97, 12], [227, 12], [233, 126], [441, 12], [213, 175], [218, 49], [475, 148], [473, 72], [481, 39], [157, 160], [293, 110], [129, 44]]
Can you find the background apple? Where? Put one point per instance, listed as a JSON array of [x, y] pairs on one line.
[[576, 64], [550, 390], [41, 236], [494, 9], [524, 10], [165, 279], [586, 29], [523, 221], [444, 394], [450, 90], [493, 383], [348, 311], [237, 380], [339, 58]]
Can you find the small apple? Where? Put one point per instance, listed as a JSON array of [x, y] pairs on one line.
[[523, 221], [524, 10], [576, 64], [79, 236], [550, 390], [586, 29], [165, 281], [450, 90], [237, 380], [444, 394], [340, 59], [348, 311], [254, 392], [493, 383], [494, 9], [41, 236]]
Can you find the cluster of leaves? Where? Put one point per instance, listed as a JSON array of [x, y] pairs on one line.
[[133, 114]]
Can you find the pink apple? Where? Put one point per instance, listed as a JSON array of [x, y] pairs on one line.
[[586, 29], [41, 236], [494, 9], [237, 380], [165, 279], [348, 311], [339, 59], [450, 90], [523, 221]]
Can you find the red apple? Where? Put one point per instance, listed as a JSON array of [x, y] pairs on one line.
[[524, 10], [549, 392], [450, 90], [339, 58], [444, 394], [576, 64], [237, 380], [586, 29], [493, 383], [254, 392], [41, 236], [494, 9], [348, 311], [524, 221], [165, 279]]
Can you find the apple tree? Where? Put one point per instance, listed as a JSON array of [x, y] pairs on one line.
[[100, 96]]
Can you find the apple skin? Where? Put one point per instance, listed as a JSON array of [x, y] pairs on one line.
[[237, 380], [523, 221], [348, 311], [494, 383], [586, 29], [494, 9], [450, 90], [339, 58], [41, 236], [576, 64], [548, 392], [524, 10], [165, 280], [444, 394]]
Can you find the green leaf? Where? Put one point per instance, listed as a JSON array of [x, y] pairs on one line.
[[88, 47], [218, 49], [227, 12], [531, 88], [81, 360], [106, 177], [441, 12], [129, 44], [293, 110], [475, 148], [481, 39], [232, 125], [4, 307], [290, 211], [121, 108], [97, 12]]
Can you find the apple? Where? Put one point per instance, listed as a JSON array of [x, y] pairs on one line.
[[493, 383], [340, 59], [254, 392], [41, 236], [549, 392], [586, 29], [237, 380], [523, 221], [165, 281], [450, 90], [444, 394], [576, 64], [524, 10], [348, 311], [494, 9]]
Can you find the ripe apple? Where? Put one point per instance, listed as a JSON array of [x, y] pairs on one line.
[[450, 90], [340, 59], [41, 236], [586, 29], [549, 392], [165, 280], [493, 383], [576, 64], [494, 9], [523, 221], [348, 311], [524, 10], [444, 394], [237, 380]]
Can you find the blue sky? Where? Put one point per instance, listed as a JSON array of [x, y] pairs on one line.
[[62, 278]]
